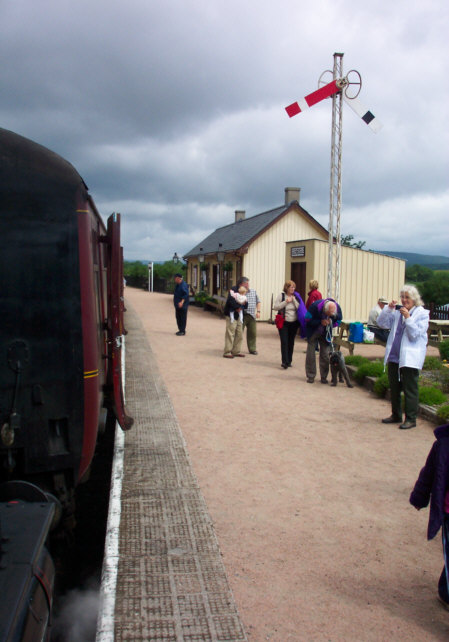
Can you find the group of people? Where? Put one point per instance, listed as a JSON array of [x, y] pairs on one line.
[[404, 328]]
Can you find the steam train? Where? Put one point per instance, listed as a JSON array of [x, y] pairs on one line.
[[61, 329]]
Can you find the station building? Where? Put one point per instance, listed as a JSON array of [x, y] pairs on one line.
[[283, 243]]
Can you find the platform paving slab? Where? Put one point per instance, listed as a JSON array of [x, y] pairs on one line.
[[172, 584]]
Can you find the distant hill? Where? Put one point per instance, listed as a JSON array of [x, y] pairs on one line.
[[428, 260]]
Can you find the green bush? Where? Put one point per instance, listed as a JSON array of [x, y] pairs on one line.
[[201, 297], [431, 396], [381, 385], [443, 412], [432, 363], [355, 360], [443, 379], [370, 369], [443, 347]]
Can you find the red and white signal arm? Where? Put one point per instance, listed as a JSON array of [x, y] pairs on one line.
[[326, 92]]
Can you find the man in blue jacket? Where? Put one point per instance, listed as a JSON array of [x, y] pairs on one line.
[[181, 303]]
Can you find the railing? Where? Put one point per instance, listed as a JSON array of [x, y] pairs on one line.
[[438, 313]]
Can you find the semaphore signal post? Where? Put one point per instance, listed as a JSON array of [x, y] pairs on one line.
[[340, 88]]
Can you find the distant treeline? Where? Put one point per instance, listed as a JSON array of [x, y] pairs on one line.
[[432, 284], [136, 274]]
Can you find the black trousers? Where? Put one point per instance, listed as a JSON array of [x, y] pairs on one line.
[[405, 379], [287, 336], [181, 318]]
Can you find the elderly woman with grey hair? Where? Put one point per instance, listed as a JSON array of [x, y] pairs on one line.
[[405, 352]]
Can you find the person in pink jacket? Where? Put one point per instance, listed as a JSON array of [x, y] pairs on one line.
[[313, 294]]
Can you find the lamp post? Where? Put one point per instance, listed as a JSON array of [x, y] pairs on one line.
[[175, 258], [150, 276]]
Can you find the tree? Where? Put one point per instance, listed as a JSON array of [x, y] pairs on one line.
[[347, 240], [135, 269], [436, 289], [168, 269], [418, 273]]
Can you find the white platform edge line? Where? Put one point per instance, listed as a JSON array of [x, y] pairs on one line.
[[106, 610]]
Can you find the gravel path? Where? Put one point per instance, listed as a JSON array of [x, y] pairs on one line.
[[307, 489]]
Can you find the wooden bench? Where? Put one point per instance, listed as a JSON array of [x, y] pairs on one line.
[[217, 305], [342, 338], [438, 331]]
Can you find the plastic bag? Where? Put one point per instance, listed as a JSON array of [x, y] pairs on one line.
[[356, 332], [368, 336]]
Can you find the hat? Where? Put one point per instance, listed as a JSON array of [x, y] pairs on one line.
[[382, 299], [178, 274]]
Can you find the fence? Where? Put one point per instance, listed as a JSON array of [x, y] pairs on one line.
[[159, 284], [438, 313]]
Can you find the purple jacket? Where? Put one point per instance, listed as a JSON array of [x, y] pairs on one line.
[[301, 316], [315, 314], [433, 481]]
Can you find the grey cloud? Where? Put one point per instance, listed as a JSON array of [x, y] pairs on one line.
[[173, 112]]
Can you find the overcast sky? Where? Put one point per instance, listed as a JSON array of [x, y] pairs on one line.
[[173, 111]]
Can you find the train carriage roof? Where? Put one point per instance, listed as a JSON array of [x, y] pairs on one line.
[[26, 166]]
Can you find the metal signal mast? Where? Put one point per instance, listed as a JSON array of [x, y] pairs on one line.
[[339, 89]]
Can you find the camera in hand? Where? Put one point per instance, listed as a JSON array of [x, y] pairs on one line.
[[398, 306]]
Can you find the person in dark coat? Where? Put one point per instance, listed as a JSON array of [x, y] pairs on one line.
[[181, 303], [433, 484]]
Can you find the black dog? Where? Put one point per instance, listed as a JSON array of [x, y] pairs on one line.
[[338, 367]]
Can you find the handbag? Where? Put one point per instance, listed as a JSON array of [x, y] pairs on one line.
[[279, 321]]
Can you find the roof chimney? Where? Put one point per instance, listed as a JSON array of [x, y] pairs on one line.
[[239, 215], [291, 194]]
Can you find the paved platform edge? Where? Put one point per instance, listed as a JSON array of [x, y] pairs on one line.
[[171, 583]]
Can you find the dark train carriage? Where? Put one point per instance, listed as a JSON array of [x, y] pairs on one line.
[[60, 318]]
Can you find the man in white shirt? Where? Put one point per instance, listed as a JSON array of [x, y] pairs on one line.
[[380, 333]]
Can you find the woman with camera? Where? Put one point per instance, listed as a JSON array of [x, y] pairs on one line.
[[405, 352]]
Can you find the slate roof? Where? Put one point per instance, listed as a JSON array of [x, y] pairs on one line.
[[235, 236]]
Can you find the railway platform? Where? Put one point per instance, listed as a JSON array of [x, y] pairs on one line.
[[302, 486], [170, 583]]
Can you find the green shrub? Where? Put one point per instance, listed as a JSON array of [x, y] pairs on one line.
[[432, 363], [355, 360], [443, 347], [443, 412], [201, 297], [381, 385], [370, 369], [443, 379], [431, 396]]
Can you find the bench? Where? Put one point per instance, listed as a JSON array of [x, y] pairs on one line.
[[342, 338], [217, 305], [438, 331]]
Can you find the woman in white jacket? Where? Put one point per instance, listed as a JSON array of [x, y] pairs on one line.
[[405, 352]]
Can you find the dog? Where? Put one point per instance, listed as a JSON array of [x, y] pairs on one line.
[[338, 369]]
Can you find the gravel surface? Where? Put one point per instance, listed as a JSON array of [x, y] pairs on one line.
[[307, 489]]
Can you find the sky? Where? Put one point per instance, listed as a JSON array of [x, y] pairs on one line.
[[173, 111]]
